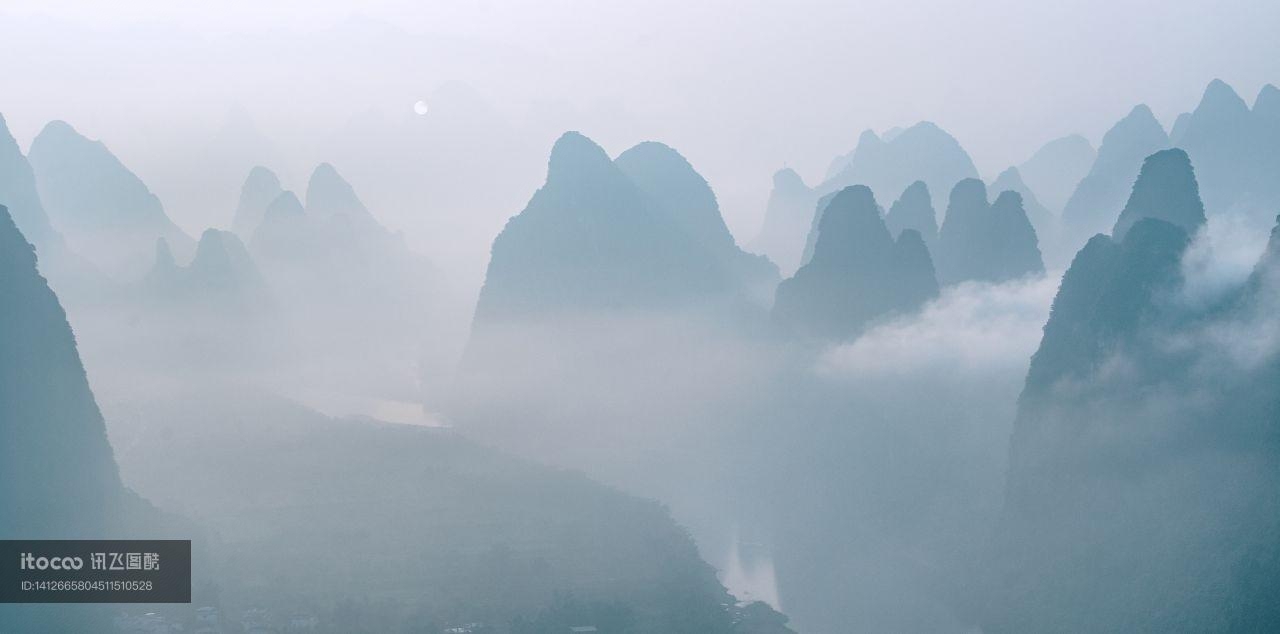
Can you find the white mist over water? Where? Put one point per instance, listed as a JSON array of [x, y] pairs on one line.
[[1223, 254], [971, 329], [749, 573]]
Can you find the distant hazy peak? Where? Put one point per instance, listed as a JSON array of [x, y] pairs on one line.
[[668, 178], [261, 177], [851, 226], [64, 142], [286, 205], [913, 211], [1010, 179], [915, 199], [787, 220], [1267, 105], [1141, 112], [1140, 123], [869, 138], [1070, 140], [58, 133], [916, 192], [925, 129], [103, 209], [786, 179], [1166, 189], [1055, 169], [642, 231], [857, 272], [1220, 98], [260, 188], [1008, 198], [921, 152], [986, 242], [18, 192], [213, 241], [325, 174], [333, 202], [658, 162], [327, 188], [211, 250], [853, 205], [1009, 209], [968, 193], [853, 197], [868, 146], [1073, 145], [656, 149], [221, 251], [58, 128], [574, 156], [925, 126]]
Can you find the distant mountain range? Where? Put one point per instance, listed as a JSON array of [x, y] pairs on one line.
[[859, 272], [922, 152], [640, 232], [105, 212]]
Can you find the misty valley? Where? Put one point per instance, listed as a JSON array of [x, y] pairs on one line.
[[917, 397]]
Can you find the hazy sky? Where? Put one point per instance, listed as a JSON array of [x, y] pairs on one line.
[[741, 88]]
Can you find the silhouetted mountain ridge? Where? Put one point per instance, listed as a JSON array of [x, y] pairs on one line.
[[18, 192], [594, 238], [103, 210], [858, 272], [58, 475], [1055, 170], [1143, 445], [261, 188], [1165, 189], [921, 152], [914, 210], [1101, 193], [985, 242], [787, 218]]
